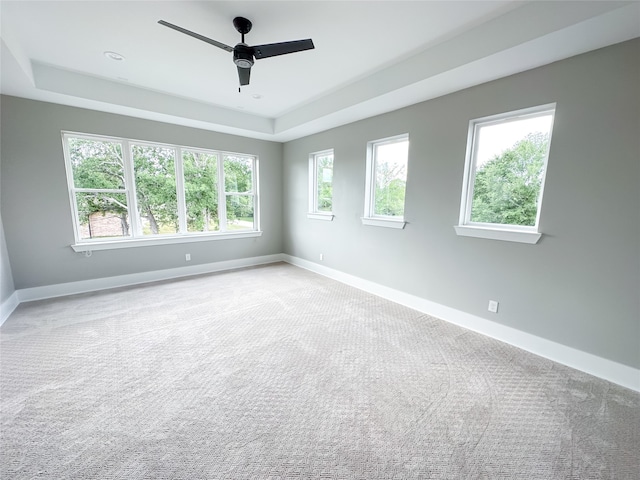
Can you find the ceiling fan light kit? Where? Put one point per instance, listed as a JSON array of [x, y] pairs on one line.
[[245, 55]]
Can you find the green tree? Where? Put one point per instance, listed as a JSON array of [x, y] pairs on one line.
[[99, 165], [201, 190], [390, 189], [156, 187], [238, 178], [324, 175], [507, 187]]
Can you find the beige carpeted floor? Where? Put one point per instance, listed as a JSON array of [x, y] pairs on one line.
[[278, 373]]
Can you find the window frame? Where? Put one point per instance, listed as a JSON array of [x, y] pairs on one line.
[[313, 212], [498, 231], [135, 237], [370, 217], [222, 190]]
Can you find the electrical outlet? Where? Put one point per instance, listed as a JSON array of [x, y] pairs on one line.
[[321, 256], [493, 306], [187, 257]]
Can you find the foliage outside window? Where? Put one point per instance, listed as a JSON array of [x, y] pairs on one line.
[[321, 184], [123, 189], [505, 170], [156, 194], [387, 162]]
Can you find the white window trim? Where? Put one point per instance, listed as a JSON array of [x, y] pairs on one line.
[[137, 240], [165, 240], [498, 234], [509, 233], [321, 216], [313, 212], [370, 218], [383, 222]]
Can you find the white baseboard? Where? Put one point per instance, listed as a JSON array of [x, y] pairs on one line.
[[8, 306], [618, 373], [62, 289]]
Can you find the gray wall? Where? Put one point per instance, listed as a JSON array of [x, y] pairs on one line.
[[580, 285], [35, 200], [6, 279]]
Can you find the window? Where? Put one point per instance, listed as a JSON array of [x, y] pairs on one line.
[[130, 193], [504, 175], [156, 196], [321, 185], [387, 161]]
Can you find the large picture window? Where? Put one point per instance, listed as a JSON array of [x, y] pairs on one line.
[[124, 192], [504, 175], [387, 162]]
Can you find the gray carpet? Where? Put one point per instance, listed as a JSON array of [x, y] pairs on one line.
[[278, 373]]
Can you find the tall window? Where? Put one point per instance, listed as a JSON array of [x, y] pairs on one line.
[[238, 190], [505, 172], [387, 162], [155, 186], [123, 189], [321, 185], [99, 194], [200, 171]]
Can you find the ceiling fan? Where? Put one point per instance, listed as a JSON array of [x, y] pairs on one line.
[[243, 54]]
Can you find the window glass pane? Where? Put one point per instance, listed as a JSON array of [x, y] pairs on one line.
[[155, 177], [201, 190], [102, 215], [96, 163], [391, 178], [238, 174], [324, 181], [509, 169], [240, 212]]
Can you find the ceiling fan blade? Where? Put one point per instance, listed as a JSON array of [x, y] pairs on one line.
[[282, 48], [243, 75], [196, 35]]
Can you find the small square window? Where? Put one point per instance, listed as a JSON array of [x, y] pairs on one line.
[[504, 174]]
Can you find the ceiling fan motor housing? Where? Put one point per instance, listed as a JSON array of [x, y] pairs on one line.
[[243, 55]]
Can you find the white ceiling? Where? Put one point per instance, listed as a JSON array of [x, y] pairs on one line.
[[370, 57]]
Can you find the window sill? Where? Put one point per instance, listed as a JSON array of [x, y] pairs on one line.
[[384, 222], [321, 216], [498, 234], [148, 242]]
